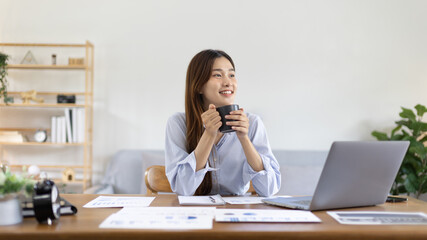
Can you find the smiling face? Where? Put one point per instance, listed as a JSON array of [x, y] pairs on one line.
[[221, 87]]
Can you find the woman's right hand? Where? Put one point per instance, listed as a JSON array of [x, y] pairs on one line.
[[211, 120]]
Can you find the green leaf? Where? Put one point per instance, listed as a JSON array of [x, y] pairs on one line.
[[397, 137], [415, 126], [408, 113], [423, 126], [394, 191], [410, 188], [395, 130], [407, 134], [402, 189], [420, 110], [411, 183], [407, 137], [418, 148], [399, 178], [423, 139], [414, 161], [380, 136], [408, 169], [404, 123], [424, 185]]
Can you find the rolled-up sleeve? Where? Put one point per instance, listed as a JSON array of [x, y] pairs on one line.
[[181, 165], [266, 182]]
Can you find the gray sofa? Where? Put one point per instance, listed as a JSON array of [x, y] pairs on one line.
[[125, 172]]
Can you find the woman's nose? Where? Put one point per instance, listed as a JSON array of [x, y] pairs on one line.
[[227, 82]]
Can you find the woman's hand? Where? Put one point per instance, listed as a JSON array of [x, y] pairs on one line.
[[211, 120], [241, 123]]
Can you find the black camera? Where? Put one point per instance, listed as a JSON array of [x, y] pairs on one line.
[[66, 99]]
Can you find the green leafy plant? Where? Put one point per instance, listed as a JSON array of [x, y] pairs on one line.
[[15, 184], [3, 80], [412, 175]]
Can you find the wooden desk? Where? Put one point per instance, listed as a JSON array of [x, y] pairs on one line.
[[84, 225]]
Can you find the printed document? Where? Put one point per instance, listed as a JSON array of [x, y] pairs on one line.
[[245, 199], [261, 215], [201, 200], [379, 218], [110, 201], [161, 218]]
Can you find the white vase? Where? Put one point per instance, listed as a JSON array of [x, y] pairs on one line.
[[10, 209]]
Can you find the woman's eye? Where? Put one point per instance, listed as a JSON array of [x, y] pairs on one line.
[[232, 75], [217, 75]]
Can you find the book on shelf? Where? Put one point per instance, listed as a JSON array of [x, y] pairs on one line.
[[74, 124], [69, 128], [53, 132], [60, 132], [11, 137], [61, 129]]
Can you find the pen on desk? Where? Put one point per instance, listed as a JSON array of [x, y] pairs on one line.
[[212, 199]]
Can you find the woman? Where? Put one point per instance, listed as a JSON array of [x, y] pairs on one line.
[[200, 160]]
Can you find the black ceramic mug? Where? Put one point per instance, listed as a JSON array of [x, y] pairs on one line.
[[225, 110]]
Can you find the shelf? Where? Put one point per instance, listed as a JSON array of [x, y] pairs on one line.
[[40, 144], [39, 66], [57, 181], [43, 45], [45, 166], [49, 105], [52, 93], [22, 129]]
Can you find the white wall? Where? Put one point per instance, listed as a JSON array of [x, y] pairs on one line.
[[316, 71]]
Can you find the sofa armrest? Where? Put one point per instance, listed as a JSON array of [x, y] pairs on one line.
[[100, 189]]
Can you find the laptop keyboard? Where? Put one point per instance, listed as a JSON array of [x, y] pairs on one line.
[[302, 202]]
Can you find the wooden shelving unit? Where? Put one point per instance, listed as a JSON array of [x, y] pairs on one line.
[[86, 93], [36, 66], [62, 105], [40, 144]]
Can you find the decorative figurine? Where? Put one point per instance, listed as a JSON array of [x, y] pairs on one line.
[[68, 175], [76, 61], [29, 58], [53, 59], [30, 95]]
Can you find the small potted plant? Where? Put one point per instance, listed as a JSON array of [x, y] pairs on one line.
[[12, 186], [3, 80], [412, 175]]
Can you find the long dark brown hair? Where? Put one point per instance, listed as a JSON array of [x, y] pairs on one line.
[[198, 73]]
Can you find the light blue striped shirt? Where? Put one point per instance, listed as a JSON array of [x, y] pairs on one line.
[[231, 172]]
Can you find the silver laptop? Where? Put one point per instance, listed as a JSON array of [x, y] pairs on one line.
[[355, 174]]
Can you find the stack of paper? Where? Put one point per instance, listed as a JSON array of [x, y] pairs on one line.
[[264, 215], [161, 218], [377, 218], [201, 200], [11, 137], [107, 202]]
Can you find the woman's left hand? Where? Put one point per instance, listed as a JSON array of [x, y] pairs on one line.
[[241, 123]]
